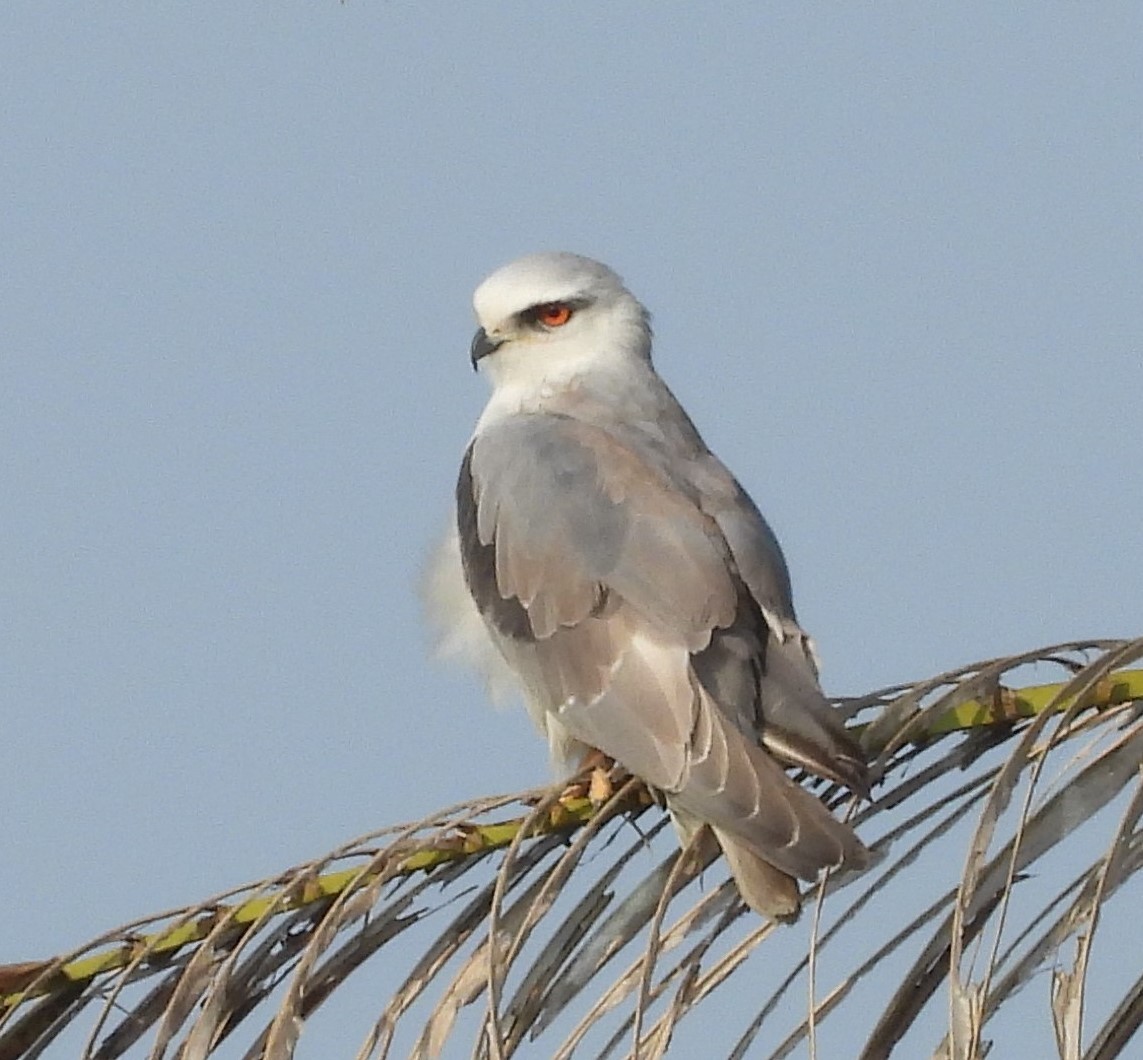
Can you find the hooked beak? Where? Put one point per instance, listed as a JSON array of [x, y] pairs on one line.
[[482, 346]]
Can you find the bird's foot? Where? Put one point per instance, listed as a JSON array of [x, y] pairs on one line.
[[597, 780]]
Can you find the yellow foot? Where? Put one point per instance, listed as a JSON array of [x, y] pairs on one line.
[[596, 780], [600, 786]]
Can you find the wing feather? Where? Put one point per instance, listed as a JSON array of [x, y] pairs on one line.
[[571, 512]]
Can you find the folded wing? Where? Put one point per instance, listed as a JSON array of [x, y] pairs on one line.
[[649, 616]]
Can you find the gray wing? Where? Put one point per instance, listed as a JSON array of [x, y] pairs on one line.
[[617, 596]]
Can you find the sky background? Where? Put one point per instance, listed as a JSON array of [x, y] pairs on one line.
[[894, 255]]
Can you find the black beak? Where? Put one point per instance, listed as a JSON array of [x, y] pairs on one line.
[[482, 346]]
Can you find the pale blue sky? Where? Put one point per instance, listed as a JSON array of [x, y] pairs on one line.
[[894, 255]]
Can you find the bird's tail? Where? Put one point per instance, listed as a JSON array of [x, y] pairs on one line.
[[767, 890]]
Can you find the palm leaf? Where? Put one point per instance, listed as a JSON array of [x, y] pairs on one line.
[[1006, 826]]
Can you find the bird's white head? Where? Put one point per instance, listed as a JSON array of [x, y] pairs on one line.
[[548, 318]]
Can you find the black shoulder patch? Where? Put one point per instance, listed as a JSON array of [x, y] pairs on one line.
[[508, 616]]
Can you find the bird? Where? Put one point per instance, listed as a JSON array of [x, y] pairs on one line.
[[605, 562]]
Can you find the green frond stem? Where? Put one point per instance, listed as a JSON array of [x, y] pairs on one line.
[[1008, 704]]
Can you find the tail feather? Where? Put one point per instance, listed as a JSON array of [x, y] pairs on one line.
[[768, 891]]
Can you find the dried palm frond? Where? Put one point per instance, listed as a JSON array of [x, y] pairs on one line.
[[1006, 824]]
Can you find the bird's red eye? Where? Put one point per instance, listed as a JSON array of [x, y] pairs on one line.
[[554, 314]]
